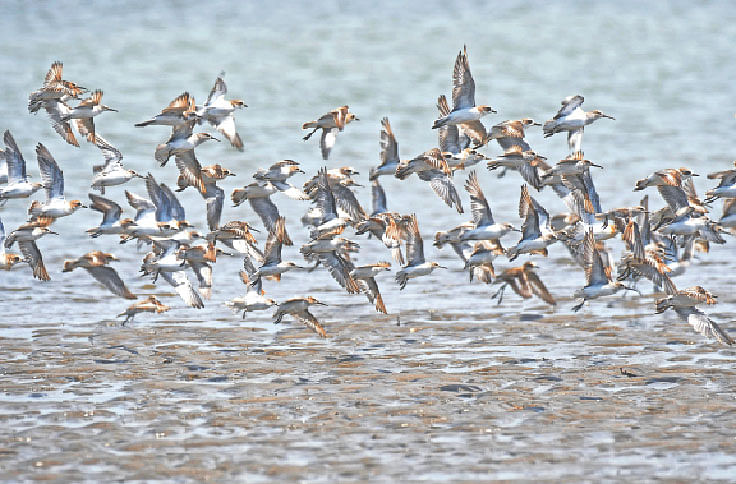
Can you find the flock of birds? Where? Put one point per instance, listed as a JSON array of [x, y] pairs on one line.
[[659, 244]]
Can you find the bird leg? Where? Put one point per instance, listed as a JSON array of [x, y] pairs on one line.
[[310, 134], [499, 293], [577, 307]]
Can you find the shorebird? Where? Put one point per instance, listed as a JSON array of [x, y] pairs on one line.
[[112, 172], [640, 262], [728, 219], [684, 302], [389, 152], [299, 308], [179, 111], [254, 300], [510, 133], [111, 223], [84, 112], [258, 195], [273, 266], [95, 263], [3, 168], [182, 140], [215, 196], [220, 112], [236, 235], [479, 261], [416, 265], [53, 182], [527, 163], [485, 228], [525, 282], [598, 278], [432, 167], [573, 119], [199, 258], [166, 261], [279, 171], [7, 261], [536, 232], [26, 236], [726, 187], [148, 305], [54, 89], [18, 185], [464, 111], [365, 275], [449, 137], [330, 124]]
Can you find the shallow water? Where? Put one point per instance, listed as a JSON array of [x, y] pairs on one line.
[[461, 389]]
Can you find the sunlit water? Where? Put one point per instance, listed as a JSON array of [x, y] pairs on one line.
[[461, 389]]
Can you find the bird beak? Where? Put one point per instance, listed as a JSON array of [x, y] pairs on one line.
[[216, 139], [320, 303], [609, 116], [52, 232], [694, 174], [536, 124], [597, 166], [110, 109], [442, 267]]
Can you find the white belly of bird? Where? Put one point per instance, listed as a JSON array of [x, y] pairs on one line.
[[417, 271], [17, 190], [54, 209], [111, 179], [685, 227], [463, 116], [725, 192], [484, 257], [592, 292], [489, 232], [530, 245]]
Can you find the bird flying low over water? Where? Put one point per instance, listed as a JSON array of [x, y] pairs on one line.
[[330, 124], [95, 263], [464, 112], [573, 119], [220, 112]]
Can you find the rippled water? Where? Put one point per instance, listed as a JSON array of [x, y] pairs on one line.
[[461, 389]]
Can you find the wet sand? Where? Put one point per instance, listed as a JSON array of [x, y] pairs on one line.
[[438, 397]]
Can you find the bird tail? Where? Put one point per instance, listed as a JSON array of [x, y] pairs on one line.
[[438, 123]]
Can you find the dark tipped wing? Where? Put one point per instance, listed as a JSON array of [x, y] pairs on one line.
[[110, 210], [482, 215], [703, 324], [569, 104], [218, 91], [14, 159], [340, 268], [32, 256], [414, 243], [184, 288], [463, 85], [215, 198], [379, 198], [311, 322], [108, 277], [389, 146], [52, 176]]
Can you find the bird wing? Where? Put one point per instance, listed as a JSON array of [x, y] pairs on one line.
[[674, 195], [226, 126], [537, 287], [324, 198], [32, 256], [159, 199], [463, 85], [311, 322], [217, 94], [110, 210], [340, 268], [327, 141], [52, 176], [276, 237], [569, 104], [346, 200], [191, 170], [109, 277], [179, 105], [595, 272], [448, 134], [184, 288], [109, 152], [414, 243], [215, 198], [475, 131], [374, 294], [14, 159], [140, 204], [704, 325], [266, 210], [389, 146], [176, 210], [530, 226], [86, 127], [482, 215], [442, 185], [379, 198], [56, 109]]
